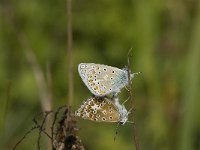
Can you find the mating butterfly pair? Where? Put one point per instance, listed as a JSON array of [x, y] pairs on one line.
[[103, 80]]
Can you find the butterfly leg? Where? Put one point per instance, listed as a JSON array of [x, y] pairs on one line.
[[126, 88], [130, 110], [126, 100], [130, 122]]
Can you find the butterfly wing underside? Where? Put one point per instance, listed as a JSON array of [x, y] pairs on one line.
[[102, 79], [100, 110]]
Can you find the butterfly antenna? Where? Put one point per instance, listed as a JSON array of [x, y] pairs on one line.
[[116, 131], [130, 53]]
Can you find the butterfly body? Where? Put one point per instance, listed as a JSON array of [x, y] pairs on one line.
[[101, 79], [102, 110]]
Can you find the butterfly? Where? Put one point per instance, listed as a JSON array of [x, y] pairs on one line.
[[103, 109], [102, 80]]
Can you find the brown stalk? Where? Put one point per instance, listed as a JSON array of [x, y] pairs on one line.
[[135, 134], [69, 52]]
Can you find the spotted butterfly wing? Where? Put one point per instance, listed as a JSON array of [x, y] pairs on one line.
[[102, 80], [100, 110]]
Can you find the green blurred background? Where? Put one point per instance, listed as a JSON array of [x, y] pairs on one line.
[[165, 37]]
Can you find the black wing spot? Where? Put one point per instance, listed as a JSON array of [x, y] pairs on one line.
[[104, 119]]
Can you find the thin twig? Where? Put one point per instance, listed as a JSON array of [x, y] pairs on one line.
[[28, 132], [135, 136], [37, 124], [42, 129]]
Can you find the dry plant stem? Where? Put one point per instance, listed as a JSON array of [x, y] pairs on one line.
[[54, 122], [135, 136], [66, 135], [69, 52]]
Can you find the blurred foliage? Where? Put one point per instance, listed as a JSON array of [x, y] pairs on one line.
[[165, 37]]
